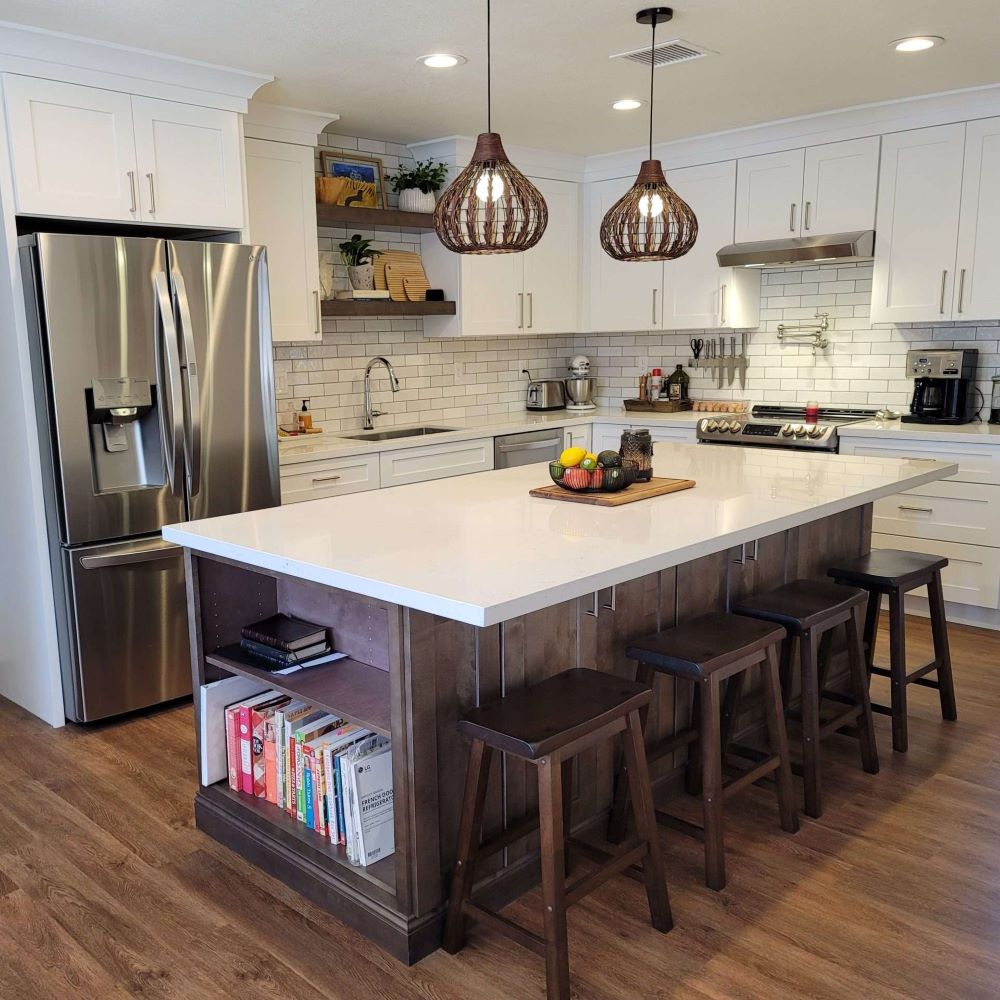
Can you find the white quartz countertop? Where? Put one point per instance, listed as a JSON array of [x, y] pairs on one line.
[[975, 433], [479, 549], [333, 445]]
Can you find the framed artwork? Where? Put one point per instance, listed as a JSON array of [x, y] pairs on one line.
[[357, 181]]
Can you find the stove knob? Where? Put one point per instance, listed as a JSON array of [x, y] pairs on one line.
[[786, 430], [723, 425], [815, 432], [713, 425], [735, 427], [799, 430]]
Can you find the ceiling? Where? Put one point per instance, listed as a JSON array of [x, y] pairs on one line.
[[552, 80]]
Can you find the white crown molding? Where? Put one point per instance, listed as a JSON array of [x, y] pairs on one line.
[[280, 124], [806, 130], [456, 151], [55, 55]]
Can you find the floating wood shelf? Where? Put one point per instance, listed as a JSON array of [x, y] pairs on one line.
[[372, 218], [385, 307], [353, 690]]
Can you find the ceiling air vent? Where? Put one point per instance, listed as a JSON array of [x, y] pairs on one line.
[[677, 50]]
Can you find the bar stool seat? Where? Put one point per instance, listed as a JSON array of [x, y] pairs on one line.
[[893, 573], [547, 725], [716, 653], [810, 610]]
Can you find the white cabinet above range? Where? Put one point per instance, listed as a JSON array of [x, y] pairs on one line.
[[86, 153]]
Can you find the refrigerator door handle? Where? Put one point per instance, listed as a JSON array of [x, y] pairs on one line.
[[170, 426], [104, 560], [189, 365]]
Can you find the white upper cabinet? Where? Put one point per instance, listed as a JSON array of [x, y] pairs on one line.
[[622, 296], [282, 210], [769, 196], [552, 266], [916, 231], [85, 153], [978, 264], [189, 164], [72, 149], [840, 186]]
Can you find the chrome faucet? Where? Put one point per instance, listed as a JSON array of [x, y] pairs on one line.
[[370, 414]]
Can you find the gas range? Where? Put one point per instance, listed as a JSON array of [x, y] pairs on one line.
[[780, 427]]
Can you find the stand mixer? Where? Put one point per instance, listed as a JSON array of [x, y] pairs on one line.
[[580, 386]]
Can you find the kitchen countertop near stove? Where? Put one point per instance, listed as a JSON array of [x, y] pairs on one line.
[[974, 433]]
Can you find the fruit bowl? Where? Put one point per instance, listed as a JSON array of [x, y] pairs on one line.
[[579, 480]]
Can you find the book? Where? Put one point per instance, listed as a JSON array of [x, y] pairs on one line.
[[320, 752], [352, 830], [233, 745], [294, 709], [313, 662], [259, 717], [246, 739], [291, 777], [371, 783], [218, 747], [285, 633], [302, 735], [281, 657]]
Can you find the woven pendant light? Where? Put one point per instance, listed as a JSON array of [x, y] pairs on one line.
[[490, 207], [651, 221]]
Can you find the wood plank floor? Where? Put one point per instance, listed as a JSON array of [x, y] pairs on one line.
[[107, 890]]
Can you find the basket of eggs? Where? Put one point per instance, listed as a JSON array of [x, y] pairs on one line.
[[582, 471]]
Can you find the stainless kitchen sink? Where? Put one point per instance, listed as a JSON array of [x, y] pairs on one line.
[[396, 432]]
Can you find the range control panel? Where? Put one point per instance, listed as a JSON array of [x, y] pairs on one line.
[[741, 430]]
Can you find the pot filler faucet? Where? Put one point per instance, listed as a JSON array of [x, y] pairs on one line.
[[370, 414]]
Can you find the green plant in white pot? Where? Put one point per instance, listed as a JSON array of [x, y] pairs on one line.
[[358, 255], [417, 185]]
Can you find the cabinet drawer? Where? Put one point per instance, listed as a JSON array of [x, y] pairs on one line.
[[418, 465], [684, 435], [329, 478], [976, 463], [945, 510], [972, 575]]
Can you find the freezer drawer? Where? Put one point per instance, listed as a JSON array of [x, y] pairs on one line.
[[128, 627]]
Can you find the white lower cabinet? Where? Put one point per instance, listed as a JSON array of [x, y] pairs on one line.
[[330, 477], [610, 435], [577, 437], [435, 461]]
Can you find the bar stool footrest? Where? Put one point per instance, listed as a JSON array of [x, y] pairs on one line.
[[498, 922], [748, 777], [680, 825], [522, 828], [618, 862]]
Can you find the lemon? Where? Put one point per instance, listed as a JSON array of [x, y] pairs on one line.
[[572, 457]]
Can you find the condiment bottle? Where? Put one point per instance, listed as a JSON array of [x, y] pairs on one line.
[[305, 418], [655, 384]]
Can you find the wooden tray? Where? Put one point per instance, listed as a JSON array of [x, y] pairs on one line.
[[656, 487], [660, 406]]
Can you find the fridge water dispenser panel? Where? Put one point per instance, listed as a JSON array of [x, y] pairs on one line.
[[125, 440]]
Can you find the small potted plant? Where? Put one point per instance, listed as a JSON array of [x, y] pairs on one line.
[[358, 255], [417, 185]]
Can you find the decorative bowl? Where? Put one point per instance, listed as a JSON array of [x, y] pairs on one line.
[[579, 480]]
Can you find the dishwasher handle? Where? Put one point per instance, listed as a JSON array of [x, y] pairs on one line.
[[530, 445]]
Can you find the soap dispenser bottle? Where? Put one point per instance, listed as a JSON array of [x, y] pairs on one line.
[[305, 418]]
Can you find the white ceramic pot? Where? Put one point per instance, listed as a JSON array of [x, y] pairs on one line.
[[415, 200], [362, 277]]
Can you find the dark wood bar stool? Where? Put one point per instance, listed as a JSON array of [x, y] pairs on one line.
[[894, 573], [708, 651], [548, 724], [810, 610]]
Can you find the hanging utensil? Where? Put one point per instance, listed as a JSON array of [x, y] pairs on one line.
[[697, 345]]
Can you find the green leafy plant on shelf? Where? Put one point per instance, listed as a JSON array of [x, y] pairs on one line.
[[427, 177], [357, 252]]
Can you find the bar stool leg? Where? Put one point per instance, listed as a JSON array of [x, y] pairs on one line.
[[942, 653], [810, 725], [859, 680], [711, 793], [618, 820], [567, 806], [897, 671], [692, 773], [470, 826], [550, 812], [645, 821], [872, 614], [778, 738]]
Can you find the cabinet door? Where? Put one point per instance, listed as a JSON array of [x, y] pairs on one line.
[[769, 196], [282, 209], [623, 296], [189, 164], [72, 149], [978, 295], [692, 284], [577, 437], [606, 437], [552, 267], [492, 295], [838, 193], [916, 231]]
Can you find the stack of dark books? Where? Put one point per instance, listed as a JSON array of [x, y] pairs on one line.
[[283, 641]]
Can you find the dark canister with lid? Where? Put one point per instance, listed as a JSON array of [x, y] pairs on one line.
[[637, 451]]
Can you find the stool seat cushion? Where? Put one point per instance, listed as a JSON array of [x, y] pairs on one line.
[[888, 569], [802, 604], [536, 720], [699, 647]]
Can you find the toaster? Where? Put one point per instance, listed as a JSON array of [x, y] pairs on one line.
[[545, 394]]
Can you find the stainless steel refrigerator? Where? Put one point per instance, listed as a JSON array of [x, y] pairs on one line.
[[153, 381]]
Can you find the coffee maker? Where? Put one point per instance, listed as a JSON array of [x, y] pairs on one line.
[[944, 386]]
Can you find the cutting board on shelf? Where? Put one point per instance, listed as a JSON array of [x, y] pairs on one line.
[[401, 273], [658, 486]]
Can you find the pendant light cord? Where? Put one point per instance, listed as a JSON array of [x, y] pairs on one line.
[[652, 68], [489, 73]]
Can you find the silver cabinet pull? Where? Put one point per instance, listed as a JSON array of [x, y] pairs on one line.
[[319, 314], [131, 189], [595, 609], [614, 598], [961, 288], [109, 559], [753, 551], [944, 281], [741, 559], [722, 307], [655, 290], [919, 510], [791, 217], [805, 218], [520, 310], [531, 309], [152, 195], [324, 479]]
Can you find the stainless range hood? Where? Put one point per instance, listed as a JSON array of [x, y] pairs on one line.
[[842, 247]]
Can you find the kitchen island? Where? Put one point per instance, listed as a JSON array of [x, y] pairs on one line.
[[449, 593]]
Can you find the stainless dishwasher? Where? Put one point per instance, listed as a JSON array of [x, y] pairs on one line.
[[527, 448]]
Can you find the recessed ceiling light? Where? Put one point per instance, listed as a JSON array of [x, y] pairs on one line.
[[441, 60], [627, 104], [917, 43]]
